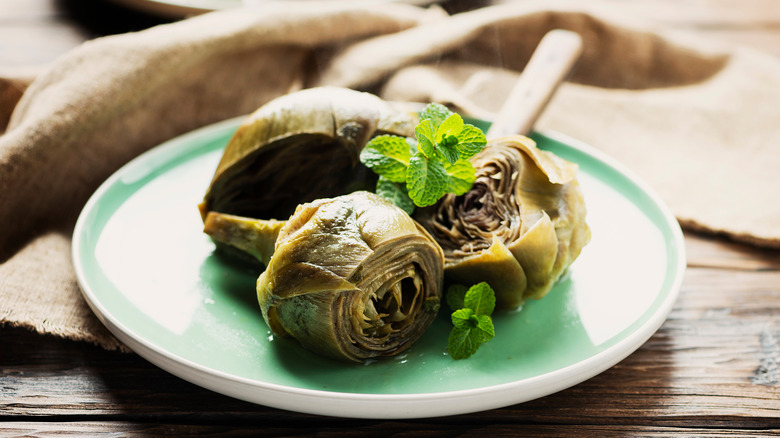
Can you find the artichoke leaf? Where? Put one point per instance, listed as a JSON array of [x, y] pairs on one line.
[[536, 251], [301, 316], [556, 169], [498, 267], [298, 279]]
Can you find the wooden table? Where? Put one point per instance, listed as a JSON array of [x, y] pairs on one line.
[[712, 369]]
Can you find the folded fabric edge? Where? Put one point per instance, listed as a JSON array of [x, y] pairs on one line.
[[745, 238], [99, 337]]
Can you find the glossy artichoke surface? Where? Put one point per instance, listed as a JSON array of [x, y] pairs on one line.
[[352, 277], [519, 227], [300, 147], [294, 149]]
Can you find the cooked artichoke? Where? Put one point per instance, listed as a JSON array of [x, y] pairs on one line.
[[519, 227], [352, 277], [297, 148]]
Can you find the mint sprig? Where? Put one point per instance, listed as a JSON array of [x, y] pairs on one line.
[[429, 166], [472, 324]]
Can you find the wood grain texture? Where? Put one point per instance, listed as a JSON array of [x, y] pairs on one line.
[[381, 430]]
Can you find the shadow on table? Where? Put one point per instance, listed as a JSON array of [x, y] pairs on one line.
[[102, 17], [105, 17]]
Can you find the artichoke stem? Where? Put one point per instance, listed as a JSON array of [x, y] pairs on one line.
[[253, 236]]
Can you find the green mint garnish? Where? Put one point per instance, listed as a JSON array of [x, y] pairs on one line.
[[388, 156], [395, 193], [435, 164], [456, 295], [427, 180], [435, 112], [471, 318]]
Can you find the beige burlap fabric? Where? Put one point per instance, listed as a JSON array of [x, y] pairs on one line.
[[698, 123]]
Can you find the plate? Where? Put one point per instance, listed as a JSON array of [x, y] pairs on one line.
[[177, 9], [150, 275]]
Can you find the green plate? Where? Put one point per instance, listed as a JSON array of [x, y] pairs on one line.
[[150, 275]]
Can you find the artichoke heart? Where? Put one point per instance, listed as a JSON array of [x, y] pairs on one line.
[[297, 148], [352, 277], [520, 226]]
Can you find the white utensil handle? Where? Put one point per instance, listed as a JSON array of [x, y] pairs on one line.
[[550, 64]]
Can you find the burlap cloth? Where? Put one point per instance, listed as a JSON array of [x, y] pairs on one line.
[[699, 122]]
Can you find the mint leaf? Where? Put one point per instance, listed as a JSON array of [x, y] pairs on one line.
[[448, 146], [425, 133], [447, 137], [436, 113], [469, 332], [471, 140], [461, 344], [455, 295], [451, 126], [426, 180], [480, 298], [395, 193], [484, 330], [388, 156], [472, 324], [464, 318], [462, 175]]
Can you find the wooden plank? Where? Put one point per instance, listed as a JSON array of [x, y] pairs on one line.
[[351, 429], [715, 252]]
